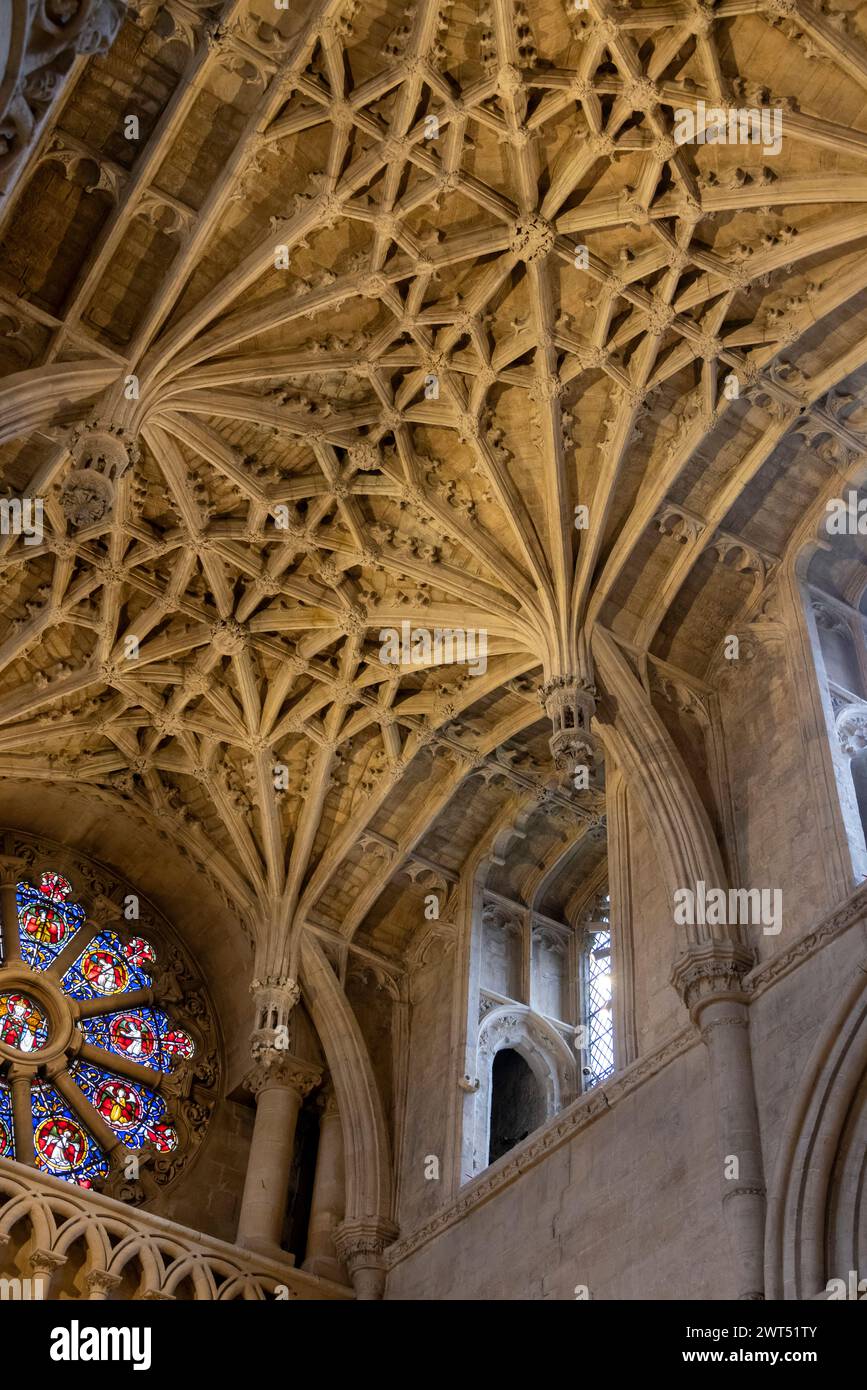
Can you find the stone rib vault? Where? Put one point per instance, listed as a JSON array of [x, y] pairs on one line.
[[376, 299]]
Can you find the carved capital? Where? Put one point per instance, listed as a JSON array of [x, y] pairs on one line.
[[45, 1262], [100, 1282], [281, 1069], [710, 973], [362, 1243], [47, 38]]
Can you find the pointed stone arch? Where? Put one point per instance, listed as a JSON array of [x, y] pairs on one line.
[[544, 1051], [369, 1182], [817, 1211], [656, 772]]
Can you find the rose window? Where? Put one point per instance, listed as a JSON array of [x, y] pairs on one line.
[[85, 1046]]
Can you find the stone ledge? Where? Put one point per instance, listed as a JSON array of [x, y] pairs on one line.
[[850, 912]]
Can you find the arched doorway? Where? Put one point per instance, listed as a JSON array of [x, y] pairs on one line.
[[517, 1102]]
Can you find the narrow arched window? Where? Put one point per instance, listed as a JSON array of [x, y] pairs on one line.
[[835, 600], [597, 998]]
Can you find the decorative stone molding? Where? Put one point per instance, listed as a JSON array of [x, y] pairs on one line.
[[812, 1235], [679, 694], [829, 618], [851, 913], [851, 726], [154, 1258], [361, 1246], [282, 1070], [274, 1000], [75, 157], [570, 703], [746, 559], [543, 1049], [499, 918], [431, 945], [532, 238], [680, 523], [359, 1241], [101, 455]]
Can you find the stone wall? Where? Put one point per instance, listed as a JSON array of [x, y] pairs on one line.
[[583, 1215], [208, 1198], [774, 798], [621, 1192], [429, 1077], [626, 1200]]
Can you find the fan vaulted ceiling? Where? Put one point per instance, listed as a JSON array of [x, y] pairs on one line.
[[335, 305]]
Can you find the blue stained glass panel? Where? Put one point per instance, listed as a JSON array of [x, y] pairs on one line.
[[7, 1141], [106, 967], [146, 1036], [47, 919], [135, 1113], [64, 1148]]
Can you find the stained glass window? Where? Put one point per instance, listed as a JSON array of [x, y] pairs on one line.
[[597, 1002], [135, 1114], [75, 1091], [107, 966], [47, 920], [63, 1146], [144, 1036]]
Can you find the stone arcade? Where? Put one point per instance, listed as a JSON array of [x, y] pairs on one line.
[[328, 974]]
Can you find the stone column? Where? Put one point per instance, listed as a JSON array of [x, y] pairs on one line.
[[709, 978], [21, 1076], [329, 1196], [100, 1284], [279, 1082], [43, 1265], [361, 1246], [11, 871]]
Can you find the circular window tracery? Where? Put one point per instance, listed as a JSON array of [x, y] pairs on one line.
[[85, 1042]]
